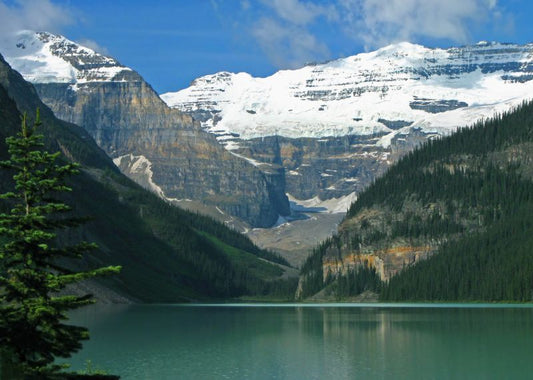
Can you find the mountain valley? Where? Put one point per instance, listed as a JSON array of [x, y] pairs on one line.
[[253, 152]]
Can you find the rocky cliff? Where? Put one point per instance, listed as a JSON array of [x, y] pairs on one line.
[[329, 167], [130, 122]]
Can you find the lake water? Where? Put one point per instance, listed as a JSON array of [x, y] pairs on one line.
[[310, 341]]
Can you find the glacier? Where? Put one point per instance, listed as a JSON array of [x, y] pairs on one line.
[[433, 90]]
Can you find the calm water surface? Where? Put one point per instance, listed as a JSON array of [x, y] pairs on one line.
[[309, 342]]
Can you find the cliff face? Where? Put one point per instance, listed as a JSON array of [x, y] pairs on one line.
[[375, 238], [329, 167], [116, 113], [386, 262], [128, 119]]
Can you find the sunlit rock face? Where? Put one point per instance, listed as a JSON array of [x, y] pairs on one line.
[[128, 119], [325, 130]]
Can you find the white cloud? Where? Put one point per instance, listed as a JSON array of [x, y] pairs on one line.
[[285, 36], [377, 22], [301, 13], [245, 5], [288, 46], [38, 15], [288, 31]]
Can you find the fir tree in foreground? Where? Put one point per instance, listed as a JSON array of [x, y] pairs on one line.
[[33, 277]]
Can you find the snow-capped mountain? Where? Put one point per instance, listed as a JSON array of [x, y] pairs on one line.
[[161, 148], [386, 92], [317, 135], [48, 58], [336, 126]]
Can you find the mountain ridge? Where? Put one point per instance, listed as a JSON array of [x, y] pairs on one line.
[[128, 119], [349, 78]]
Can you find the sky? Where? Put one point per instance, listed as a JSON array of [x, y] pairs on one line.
[[172, 42]]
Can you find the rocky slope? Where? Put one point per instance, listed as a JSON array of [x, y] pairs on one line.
[[161, 148]]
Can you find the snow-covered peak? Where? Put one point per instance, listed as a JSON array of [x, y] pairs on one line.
[[43, 57], [385, 92], [400, 49]]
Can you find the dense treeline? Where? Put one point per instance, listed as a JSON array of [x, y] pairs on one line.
[[471, 193], [470, 143], [219, 230], [312, 272], [351, 283], [224, 262], [356, 281], [496, 265]]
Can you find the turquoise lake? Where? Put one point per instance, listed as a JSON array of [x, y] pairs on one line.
[[340, 341]]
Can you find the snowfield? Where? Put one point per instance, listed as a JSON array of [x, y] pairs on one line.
[[48, 58], [354, 95]]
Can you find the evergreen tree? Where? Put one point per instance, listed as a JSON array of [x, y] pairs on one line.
[[33, 274]]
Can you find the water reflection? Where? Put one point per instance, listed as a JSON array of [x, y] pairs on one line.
[[165, 342]]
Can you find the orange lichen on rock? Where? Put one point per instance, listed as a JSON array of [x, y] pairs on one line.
[[386, 262]]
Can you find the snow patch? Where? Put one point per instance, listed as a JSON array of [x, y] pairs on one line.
[[140, 165], [48, 58], [250, 160], [330, 206]]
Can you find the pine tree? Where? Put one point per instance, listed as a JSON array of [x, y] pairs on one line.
[[33, 276]]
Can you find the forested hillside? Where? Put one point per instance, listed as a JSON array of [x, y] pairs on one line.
[[452, 220], [167, 254]]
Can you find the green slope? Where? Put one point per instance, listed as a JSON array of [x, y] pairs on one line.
[[167, 254], [469, 197]]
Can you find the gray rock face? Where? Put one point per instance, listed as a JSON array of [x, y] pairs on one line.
[[127, 118], [436, 105], [123, 117], [330, 167], [187, 163]]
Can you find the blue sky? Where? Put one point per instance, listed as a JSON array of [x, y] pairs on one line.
[[170, 43]]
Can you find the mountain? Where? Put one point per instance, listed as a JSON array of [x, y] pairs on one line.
[[335, 127], [289, 151], [163, 149], [451, 221], [167, 254], [338, 125]]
